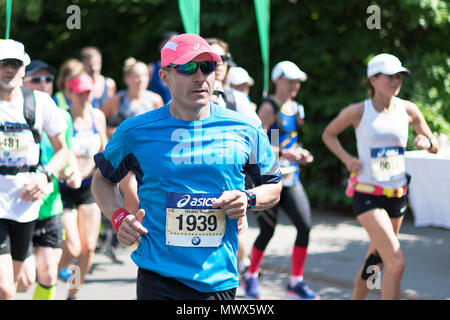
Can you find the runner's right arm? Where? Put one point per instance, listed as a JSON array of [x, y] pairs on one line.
[[107, 196], [349, 116]]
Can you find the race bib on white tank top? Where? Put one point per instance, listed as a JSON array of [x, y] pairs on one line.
[[387, 163]]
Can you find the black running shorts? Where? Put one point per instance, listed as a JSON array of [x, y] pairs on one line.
[[152, 286], [395, 207], [49, 233], [72, 198], [15, 238]]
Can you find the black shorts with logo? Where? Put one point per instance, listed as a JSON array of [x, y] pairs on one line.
[[395, 207], [49, 233]]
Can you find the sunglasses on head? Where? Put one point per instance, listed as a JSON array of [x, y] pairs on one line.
[[11, 62], [191, 67], [36, 80]]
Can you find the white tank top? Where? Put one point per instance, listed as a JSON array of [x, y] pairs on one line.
[[86, 143], [381, 141]]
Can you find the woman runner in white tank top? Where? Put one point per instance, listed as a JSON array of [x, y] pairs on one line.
[[381, 125]]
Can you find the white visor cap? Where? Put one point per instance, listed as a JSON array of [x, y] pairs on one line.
[[289, 70]]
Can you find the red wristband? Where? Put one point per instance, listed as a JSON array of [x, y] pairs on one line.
[[118, 217]]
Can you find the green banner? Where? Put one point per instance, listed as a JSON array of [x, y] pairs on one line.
[[262, 10], [190, 15], [8, 17]]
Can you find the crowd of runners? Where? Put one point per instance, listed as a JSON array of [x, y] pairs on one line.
[[176, 161]]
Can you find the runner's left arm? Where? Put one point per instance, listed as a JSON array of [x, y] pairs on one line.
[[55, 126], [425, 139], [60, 153], [263, 169]]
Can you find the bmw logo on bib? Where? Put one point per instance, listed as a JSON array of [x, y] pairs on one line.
[[196, 241]]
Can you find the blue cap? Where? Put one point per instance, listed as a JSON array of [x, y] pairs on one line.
[[36, 65]]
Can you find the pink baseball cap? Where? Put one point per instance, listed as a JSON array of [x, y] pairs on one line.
[[185, 47], [81, 83]]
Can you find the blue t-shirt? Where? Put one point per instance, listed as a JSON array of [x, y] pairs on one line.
[[183, 165]]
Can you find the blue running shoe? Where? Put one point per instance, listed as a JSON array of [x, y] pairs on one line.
[[301, 292], [251, 288], [64, 274]]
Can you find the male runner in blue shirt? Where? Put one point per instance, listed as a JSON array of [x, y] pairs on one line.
[[190, 158]]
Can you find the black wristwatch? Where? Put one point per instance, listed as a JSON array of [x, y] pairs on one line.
[[251, 198], [50, 176]]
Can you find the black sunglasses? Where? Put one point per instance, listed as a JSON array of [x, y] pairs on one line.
[[47, 79], [11, 62], [226, 57], [191, 67]]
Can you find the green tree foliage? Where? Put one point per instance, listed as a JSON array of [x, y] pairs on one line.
[[328, 39]]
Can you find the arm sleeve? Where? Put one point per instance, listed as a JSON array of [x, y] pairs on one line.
[[262, 165]]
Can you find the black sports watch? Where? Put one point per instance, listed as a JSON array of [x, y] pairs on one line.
[[251, 199], [50, 176]]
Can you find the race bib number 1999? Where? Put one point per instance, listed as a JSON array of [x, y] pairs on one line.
[[191, 222]]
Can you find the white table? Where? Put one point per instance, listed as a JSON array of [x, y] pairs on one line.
[[429, 193]]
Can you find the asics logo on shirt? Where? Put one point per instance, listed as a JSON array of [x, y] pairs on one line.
[[196, 202]]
